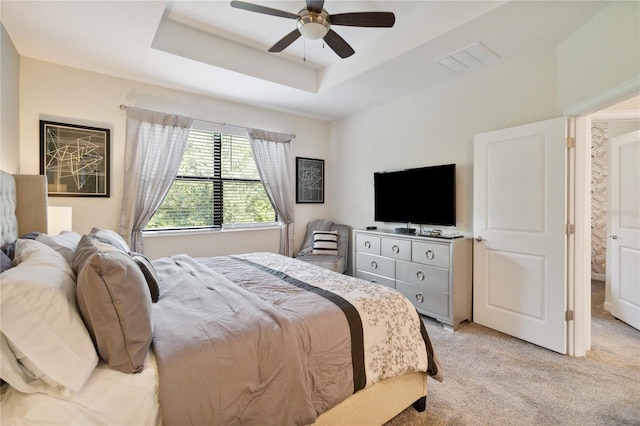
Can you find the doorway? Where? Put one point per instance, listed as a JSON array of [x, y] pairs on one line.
[[604, 125]]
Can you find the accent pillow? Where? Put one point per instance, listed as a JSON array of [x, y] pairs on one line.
[[47, 346], [115, 303], [316, 225], [149, 273], [325, 242], [5, 262], [111, 237], [64, 243]]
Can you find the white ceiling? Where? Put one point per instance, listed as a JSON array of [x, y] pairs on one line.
[[211, 48]]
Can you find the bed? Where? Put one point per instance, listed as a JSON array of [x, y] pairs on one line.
[[95, 334]]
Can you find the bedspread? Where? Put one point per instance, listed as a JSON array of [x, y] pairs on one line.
[[265, 339]]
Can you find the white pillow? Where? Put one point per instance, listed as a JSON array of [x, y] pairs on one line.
[[64, 243], [325, 242], [42, 324]]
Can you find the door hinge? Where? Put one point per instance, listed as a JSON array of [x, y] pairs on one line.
[[569, 229], [568, 315], [571, 142]]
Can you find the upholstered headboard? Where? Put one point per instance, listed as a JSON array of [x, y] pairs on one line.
[[23, 205]]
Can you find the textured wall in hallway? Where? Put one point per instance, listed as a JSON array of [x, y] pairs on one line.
[[599, 195]]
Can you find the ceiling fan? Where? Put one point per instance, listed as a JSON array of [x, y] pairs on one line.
[[313, 22]]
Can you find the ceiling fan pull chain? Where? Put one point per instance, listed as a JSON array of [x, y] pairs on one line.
[[304, 44]]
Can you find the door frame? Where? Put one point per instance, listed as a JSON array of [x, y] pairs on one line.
[[579, 265]]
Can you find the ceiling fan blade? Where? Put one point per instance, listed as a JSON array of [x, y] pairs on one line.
[[364, 19], [262, 9], [315, 5], [285, 41], [338, 44]]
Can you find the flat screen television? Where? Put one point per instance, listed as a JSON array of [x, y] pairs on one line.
[[425, 195]]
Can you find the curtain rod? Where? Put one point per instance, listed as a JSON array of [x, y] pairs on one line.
[[293, 135]]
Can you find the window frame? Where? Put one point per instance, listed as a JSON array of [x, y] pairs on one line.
[[228, 130]]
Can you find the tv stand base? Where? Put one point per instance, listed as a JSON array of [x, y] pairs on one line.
[[407, 231]]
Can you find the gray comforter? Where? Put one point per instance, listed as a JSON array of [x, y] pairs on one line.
[[265, 339]]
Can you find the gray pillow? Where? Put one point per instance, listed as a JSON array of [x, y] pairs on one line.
[[110, 237], [115, 303], [84, 250], [149, 273], [5, 262]]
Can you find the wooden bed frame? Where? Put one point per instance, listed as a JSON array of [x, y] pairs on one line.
[[373, 405]]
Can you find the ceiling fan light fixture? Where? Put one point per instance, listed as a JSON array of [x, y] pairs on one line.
[[313, 26]]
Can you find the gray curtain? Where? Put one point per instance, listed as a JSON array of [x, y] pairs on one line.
[[271, 152], [155, 145]]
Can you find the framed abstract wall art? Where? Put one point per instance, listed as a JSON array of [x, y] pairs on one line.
[[309, 180], [75, 159]]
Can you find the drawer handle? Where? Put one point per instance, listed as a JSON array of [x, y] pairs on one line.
[[374, 264], [419, 297], [430, 254], [367, 244], [420, 275], [395, 249]]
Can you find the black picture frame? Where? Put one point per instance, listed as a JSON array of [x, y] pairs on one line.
[[309, 180], [75, 159]]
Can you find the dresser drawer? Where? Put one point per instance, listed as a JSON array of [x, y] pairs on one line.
[[376, 264], [430, 254], [423, 276], [368, 243], [425, 300], [389, 282], [395, 248]]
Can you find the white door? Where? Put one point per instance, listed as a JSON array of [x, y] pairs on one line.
[[624, 228], [519, 271]]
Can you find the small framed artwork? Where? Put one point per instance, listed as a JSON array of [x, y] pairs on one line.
[[309, 180], [75, 159]]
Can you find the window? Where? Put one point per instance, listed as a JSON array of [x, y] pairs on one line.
[[217, 185]]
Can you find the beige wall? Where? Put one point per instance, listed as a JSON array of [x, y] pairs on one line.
[[9, 104], [433, 127], [602, 56], [54, 92]]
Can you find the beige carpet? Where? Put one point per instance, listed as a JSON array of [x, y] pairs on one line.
[[495, 379]]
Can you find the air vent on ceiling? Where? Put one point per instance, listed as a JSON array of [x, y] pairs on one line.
[[469, 58]]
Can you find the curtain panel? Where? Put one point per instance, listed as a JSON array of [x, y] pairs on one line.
[[271, 152], [155, 145]]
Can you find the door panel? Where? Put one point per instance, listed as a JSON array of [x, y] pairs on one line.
[[523, 159], [624, 228], [516, 283], [519, 221]]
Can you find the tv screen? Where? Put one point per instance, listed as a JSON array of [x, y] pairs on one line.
[[425, 195]]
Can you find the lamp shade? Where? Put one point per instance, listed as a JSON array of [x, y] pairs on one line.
[[59, 219], [313, 25], [313, 30]]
